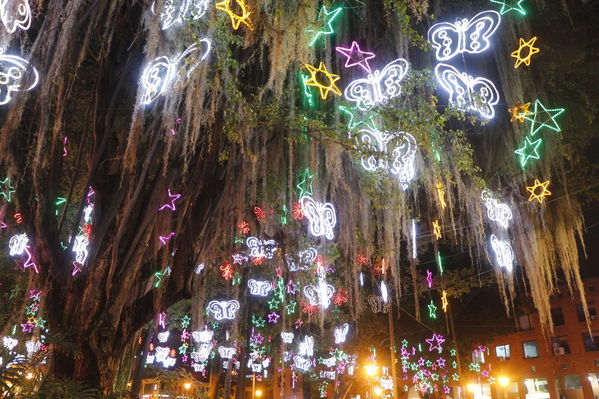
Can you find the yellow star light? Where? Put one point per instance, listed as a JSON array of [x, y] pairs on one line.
[[537, 194], [441, 195], [519, 111], [236, 18], [444, 301], [437, 229], [331, 79], [527, 47]]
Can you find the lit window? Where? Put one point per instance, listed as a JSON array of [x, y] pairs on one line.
[[530, 349], [572, 381], [536, 387], [503, 351]]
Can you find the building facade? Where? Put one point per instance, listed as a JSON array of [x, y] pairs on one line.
[[564, 364]]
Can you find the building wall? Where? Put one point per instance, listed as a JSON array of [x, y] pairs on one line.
[[581, 360]]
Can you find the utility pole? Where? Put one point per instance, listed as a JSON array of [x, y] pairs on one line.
[[392, 343]]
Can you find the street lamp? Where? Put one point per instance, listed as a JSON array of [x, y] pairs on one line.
[[371, 370], [378, 391], [187, 386], [503, 381], [258, 393]]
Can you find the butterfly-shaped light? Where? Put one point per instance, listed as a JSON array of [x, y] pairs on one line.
[[163, 336], [302, 363], [287, 337], [160, 75], [261, 248], [305, 259], [464, 36], [226, 352], [340, 333], [496, 211], [223, 310], [15, 14], [175, 12], [377, 305], [16, 74], [329, 361], [377, 87], [17, 244], [328, 375], [402, 147], [259, 287], [203, 336], [504, 255], [468, 93], [321, 217], [9, 342], [320, 294], [306, 347]]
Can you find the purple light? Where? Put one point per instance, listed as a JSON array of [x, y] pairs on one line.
[[173, 197], [355, 56]]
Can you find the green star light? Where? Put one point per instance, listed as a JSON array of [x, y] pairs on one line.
[[39, 322], [185, 321], [515, 5], [305, 185], [539, 122], [432, 309], [353, 118], [7, 189], [258, 321], [327, 23], [273, 303], [291, 307], [528, 151]]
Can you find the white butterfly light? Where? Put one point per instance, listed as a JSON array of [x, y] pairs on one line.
[[259, 288], [17, 244], [464, 36], [163, 336], [328, 375], [32, 347], [203, 336], [340, 333], [302, 363], [16, 74], [306, 347], [377, 304], [377, 87], [319, 295], [158, 77], [9, 342], [402, 147], [504, 255], [80, 248], [223, 309], [466, 92], [15, 14], [496, 211], [226, 352], [321, 217], [305, 260], [330, 361], [261, 248], [174, 12], [287, 337]]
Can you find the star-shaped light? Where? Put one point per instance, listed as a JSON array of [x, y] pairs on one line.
[[355, 56], [432, 309], [165, 239], [354, 118], [39, 322], [273, 303], [273, 317], [159, 275], [257, 339], [538, 191], [185, 321], [515, 5], [444, 301], [326, 19], [437, 229], [35, 294], [298, 323], [239, 259], [258, 321], [27, 327], [519, 111], [305, 183], [441, 195], [173, 198], [183, 348], [7, 189], [525, 50], [291, 287], [326, 86], [435, 342], [528, 151], [404, 343], [236, 19], [279, 272], [441, 362], [453, 352], [544, 118], [429, 278], [185, 335], [290, 307]]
